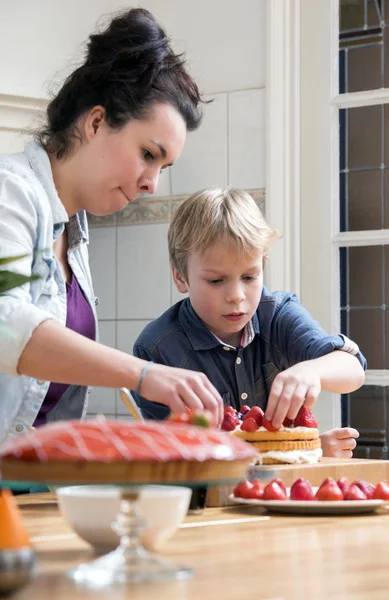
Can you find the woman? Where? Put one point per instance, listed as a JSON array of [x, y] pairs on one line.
[[117, 121]]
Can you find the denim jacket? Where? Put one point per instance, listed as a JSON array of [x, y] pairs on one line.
[[284, 335], [31, 217]]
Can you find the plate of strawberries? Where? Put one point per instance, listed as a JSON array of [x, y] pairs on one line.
[[331, 497]]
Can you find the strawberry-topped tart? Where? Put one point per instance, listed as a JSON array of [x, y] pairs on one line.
[[296, 441], [104, 451]]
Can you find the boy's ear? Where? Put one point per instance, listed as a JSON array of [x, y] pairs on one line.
[[179, 281]]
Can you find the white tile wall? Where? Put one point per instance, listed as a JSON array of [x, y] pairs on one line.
[[102, 251], [224, 40], [102, 400], [246, 123], [143, 271], [203, 162], [127, 332]]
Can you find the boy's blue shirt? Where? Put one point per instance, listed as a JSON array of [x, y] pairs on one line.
[[285, 334]]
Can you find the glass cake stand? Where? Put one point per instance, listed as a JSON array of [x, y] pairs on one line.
[[130, 562]]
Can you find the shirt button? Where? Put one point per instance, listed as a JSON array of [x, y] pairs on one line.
[[40, 381], [238, 361], [19, 428], [243, 396], [226, 348]]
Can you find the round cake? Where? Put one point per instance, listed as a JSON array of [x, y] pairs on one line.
[[294, 442], [287, 445], [104, 451]]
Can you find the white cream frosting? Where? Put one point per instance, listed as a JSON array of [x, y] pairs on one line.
[[282, 428], [292, 456]]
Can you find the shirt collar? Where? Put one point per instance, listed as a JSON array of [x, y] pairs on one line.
[[202, 339], [77, 224]]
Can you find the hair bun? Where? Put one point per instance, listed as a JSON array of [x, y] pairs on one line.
[[134, 44]]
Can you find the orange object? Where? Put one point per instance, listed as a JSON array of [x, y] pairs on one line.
[[13, 533]]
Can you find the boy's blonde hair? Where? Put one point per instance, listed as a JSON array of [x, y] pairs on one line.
[[229, 215]]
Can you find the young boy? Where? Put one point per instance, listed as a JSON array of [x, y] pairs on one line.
[[256, 347]]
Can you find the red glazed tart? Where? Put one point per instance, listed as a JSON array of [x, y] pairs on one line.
[[104, 451]]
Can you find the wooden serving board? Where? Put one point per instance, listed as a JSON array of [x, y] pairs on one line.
[[353, 468]]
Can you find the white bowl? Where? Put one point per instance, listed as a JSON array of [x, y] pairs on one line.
[[90, 510]]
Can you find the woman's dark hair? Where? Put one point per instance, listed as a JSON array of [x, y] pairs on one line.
[[129, 67]]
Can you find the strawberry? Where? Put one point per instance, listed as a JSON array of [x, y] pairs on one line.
[[229, 410], [282, 485], [288, 422], [305, 418], [255, 413], [256, 491], [354, 492], [381, 491], [301, 490], [366, 487], [249, 425], [244, 409], [242, 489], [329, 490], [230, 421], [273, 491], [268, 425], [344, 484]]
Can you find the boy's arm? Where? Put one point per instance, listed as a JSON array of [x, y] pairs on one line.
[[302, 383], [319, 361]]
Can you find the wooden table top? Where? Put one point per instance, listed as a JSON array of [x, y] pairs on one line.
[[247, 555]]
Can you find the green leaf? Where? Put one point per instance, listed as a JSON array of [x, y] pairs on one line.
[[5, 261], [9, 280]]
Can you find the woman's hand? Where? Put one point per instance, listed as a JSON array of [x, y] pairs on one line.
[[291, 389], [339, 442], [178, 388]]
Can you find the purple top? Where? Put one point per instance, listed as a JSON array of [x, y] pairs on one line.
[[79, 318]]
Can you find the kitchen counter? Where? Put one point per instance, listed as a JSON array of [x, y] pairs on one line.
[[237, 553]]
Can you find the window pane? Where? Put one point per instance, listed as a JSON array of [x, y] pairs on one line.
[[363, 133], [363, 193], [366, 280], [364, 68], [366, 328], [351, 16], [367, 410]]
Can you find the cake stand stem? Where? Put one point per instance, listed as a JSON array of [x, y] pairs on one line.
[[130, 562]]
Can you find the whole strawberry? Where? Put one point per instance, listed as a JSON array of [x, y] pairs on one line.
[[242, 489], [273, 491], [344, 484], [354, 492], [230, 421], [305, 418], [381, 491], [269, 426], [366, 487], [249, 425], [256, 491], [329, 490], [255, 413], [301, 490], [282, 485]]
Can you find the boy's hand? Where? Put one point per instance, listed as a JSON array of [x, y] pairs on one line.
[[339, 442], [291, 389], [178, 388]]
